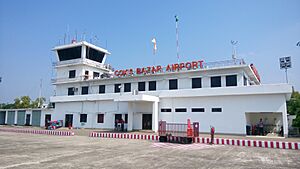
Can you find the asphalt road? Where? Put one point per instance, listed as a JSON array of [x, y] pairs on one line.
[[42, 151]]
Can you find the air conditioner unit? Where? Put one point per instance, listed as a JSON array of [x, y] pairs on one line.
[[135, 92]]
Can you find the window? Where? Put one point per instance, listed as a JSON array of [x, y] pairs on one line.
[[142, 86], [198, 109], [70, 91], [245, 81], [126, 118], [102, 89], [100, 118], [94, 55], [127, 87], [215, 81], [196, 83], [152, 85], [173, 85], [117, 88], [83, 118], [231, 80], [180, 110], [84, 90], [216, 110], [72, 73], [96, 75], [86, 75], [165, 110], [69, 54]]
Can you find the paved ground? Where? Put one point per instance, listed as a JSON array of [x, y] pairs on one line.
[[43, 151]]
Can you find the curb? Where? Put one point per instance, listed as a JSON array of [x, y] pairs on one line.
[[206, 140], [47, 132]]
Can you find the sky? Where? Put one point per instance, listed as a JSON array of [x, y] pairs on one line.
[[265, 31]]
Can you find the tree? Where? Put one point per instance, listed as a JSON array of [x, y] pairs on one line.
[[293, 108], [38, 102]]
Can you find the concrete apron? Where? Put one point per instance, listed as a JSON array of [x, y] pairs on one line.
[[206, 140]]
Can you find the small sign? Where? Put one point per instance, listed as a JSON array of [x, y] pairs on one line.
[[285, 62]]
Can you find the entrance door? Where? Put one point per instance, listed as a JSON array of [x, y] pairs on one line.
[[69, 120], [147, 122], [47, 119], [2, 117], [27, 123]]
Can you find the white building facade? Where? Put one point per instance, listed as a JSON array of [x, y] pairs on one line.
[[227, 95]]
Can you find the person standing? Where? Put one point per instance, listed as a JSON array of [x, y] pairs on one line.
[[261, 127]]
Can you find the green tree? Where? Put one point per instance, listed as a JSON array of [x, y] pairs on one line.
[[293, 108], [35, 104]]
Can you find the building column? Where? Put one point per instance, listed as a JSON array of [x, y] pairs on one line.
[[285, 121], [130, 117], [155, 116]]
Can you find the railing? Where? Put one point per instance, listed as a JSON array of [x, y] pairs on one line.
[[84, 61], [224, 63], [80, 78]]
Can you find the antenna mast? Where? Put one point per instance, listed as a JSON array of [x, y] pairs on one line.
[[177, 39], [40, 93], [234, 44]]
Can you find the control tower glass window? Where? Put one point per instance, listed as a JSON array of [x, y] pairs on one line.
[[94, 55], [69, 54]]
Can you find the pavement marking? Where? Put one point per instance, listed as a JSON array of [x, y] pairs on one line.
[[185, 146]]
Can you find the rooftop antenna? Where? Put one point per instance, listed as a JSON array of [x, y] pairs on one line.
[[40, 93], [177, 39], [234, 44]]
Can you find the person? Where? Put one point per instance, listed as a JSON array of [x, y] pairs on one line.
[[116, 124], [122, 124], [261, 127]]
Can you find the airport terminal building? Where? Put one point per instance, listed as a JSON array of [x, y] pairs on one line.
[[226, 94]]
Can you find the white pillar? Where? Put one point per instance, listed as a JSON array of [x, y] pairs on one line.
[[155, 116], [285, 121], [130, 116]]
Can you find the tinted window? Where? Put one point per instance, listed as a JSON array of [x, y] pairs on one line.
[[100, 118], [198, 109], [127, 87], [117, 88], [83, 118], [102, 89], [71, 91], [85, 90], [72, 73], [165, 110], [173, 84], [180, 110], [141, 86], [152, 85], [69, 54], [196, 83], [94, 55], [231, 80], [216, 109], [215, 81]]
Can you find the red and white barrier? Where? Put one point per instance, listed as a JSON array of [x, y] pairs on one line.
[[206, 140], [30, 131], [125, 136]]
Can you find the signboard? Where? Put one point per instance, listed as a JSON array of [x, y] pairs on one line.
[[285, 62], [176, 67]]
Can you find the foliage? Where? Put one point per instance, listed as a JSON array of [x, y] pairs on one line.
[[293, 108], [23, 102]]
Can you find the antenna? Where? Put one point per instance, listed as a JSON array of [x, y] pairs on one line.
[[40, 93], [177, 39], [234, 44]]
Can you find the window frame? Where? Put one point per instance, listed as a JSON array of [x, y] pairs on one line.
[[143, 86], [81, 119], [173, 84], [181, 109], [127, 87], [102, 114], [227, 79], [71, 89], [101, 87], [195, 85], [198, 109], [153, 86], [216, 109], [84, 87], [211, 81], [118, 88], [72, 74], [166, 110]]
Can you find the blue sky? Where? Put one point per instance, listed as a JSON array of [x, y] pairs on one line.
[[265, 31]]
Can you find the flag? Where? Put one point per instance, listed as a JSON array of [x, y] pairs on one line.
[[154, 45], [176, 18], [298, 44]]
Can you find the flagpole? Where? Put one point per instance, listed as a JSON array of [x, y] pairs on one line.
[[177, 41]]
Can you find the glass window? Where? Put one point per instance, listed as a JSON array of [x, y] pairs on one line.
[[180, 110], [215, 81], [101, 88], [69, 54], [94, 55], [173, 85], [196, 83], [152, 85], [216, 110], [198, 109], [126, 118], [83, 118], [127, 87], [231, 80], [117, 88], [72, 73], [96, 75], [100, 118], [165, 110], [71, 91], [84, 90], [142, 86]]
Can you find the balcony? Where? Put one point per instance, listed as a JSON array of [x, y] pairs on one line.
[[79, 78]]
